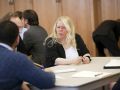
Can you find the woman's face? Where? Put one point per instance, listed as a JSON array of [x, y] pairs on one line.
[[17, 21], [61, 30]]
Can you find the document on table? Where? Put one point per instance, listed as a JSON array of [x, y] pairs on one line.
[[89, 74], [58, 77], [113, 64], [64, 70]]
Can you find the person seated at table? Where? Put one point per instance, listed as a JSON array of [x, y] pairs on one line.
[[64, 46], [107, 36], [15, 18], [23, 29], [15, 67], [21, 46], [34, 36]]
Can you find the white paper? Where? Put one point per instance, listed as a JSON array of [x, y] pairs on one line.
[[58, 77], [64, 70], [113, 62], [89, 74]]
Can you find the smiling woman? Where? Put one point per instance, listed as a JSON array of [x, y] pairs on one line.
[[64, 46]]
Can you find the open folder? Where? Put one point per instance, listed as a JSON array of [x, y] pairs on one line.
[[113, 64]]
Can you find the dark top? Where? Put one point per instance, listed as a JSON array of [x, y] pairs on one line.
[[55, 50], [108, 28], [16, 68], [21, 47], [117, 85], [33, 40]]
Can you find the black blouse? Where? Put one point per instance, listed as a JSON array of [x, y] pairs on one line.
[[55, 50]]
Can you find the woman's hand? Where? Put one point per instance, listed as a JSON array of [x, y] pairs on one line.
[[77, 60], [85, 60]]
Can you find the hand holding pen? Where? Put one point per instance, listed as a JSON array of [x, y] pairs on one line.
[[85, 60], [38, 65], [43, 68]]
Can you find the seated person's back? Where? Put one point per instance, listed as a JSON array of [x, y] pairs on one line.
[[15, 67]]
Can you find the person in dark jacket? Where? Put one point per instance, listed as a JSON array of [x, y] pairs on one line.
[[34, 37], [63, 46], [116, 85], [107, 35]]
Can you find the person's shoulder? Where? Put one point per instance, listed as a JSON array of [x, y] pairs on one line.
[[18, 55], [108, 21], [50, 42], [43, 29], [78, 38], [49, 38], [33, 28], [40, 29], [77, 35], [30, 31], [16, 58]]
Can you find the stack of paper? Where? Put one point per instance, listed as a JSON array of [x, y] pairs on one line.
[[58, 77]]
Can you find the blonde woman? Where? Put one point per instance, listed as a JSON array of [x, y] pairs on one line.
[[63, 46]]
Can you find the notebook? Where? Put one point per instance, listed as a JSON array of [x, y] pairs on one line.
[[113, 64]]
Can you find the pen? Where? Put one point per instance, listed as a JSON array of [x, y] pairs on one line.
[[38, 65], [98, 74]]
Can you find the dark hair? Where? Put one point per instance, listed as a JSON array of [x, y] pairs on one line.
[[17, 14], [31, 17], [118, 20], [8, 32]]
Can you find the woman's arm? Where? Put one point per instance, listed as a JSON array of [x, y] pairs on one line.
[[63, 61]]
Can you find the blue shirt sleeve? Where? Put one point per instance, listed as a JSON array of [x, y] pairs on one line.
[[27, 71]]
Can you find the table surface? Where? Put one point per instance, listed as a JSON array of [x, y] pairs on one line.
[[66, 81]]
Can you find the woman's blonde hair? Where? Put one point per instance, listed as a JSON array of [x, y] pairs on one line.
[[69, 27]]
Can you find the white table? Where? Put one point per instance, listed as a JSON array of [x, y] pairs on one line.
[[87, 83]]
